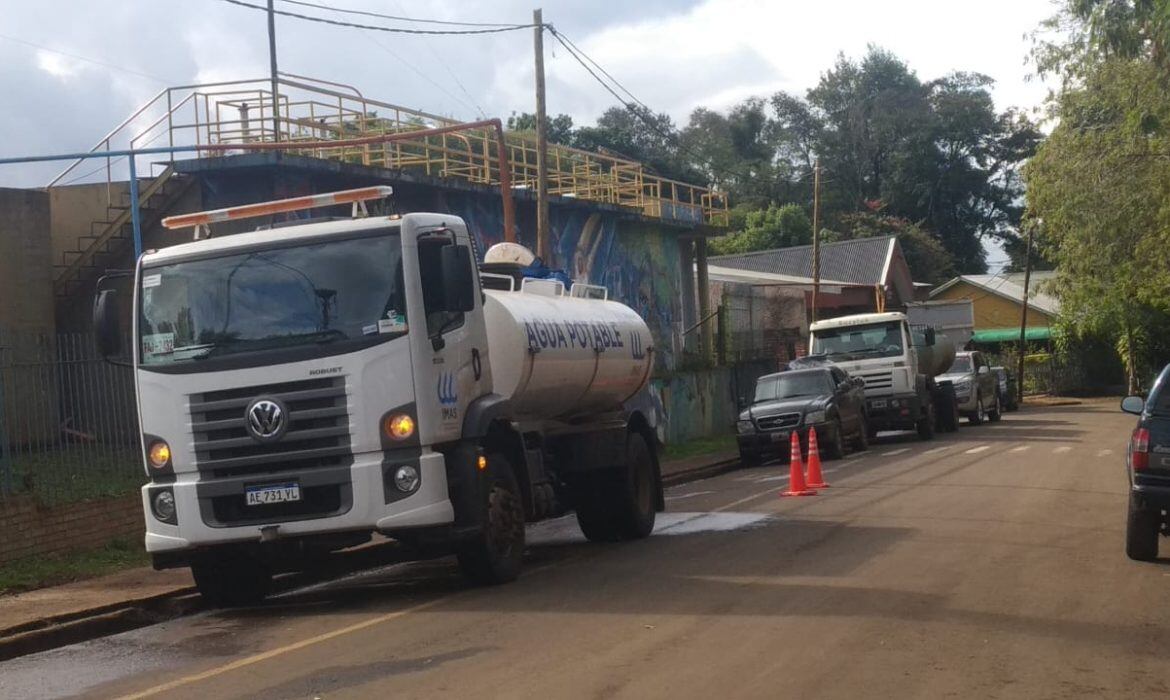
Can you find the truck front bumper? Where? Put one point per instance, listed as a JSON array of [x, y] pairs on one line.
[[898, 412], [370, 507]]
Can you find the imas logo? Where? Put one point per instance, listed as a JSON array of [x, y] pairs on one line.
[[637, 349], [448, 395]]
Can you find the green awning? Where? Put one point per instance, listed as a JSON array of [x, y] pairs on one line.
[[1007, 335]]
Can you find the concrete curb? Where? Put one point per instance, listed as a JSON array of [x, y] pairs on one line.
[[84, 625]]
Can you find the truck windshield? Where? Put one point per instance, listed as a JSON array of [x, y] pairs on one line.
[[961, 365], [852, 342], [343, 290], [793, 385]]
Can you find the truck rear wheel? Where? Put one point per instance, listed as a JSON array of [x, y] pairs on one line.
[[619, 505], [496, 554], [1141, 531], [231, 578]]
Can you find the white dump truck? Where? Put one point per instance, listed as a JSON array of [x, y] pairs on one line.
[[899, 363], [305, 387]]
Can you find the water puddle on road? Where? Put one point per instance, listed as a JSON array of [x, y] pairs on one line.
[[564, 530]]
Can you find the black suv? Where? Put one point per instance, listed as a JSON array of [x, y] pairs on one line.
[[822, 397], [1148, 462]]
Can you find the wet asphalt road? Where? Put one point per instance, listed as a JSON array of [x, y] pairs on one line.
[[984, 564]]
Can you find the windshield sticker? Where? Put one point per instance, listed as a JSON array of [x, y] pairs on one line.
[[151, 281], [396, 324], [157, 344], [370, 329]]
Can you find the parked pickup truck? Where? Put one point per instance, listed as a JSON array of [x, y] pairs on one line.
[[824, 397], [976, 387]]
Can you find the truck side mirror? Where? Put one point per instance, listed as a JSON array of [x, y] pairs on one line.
[[458, 278], [105, 323]]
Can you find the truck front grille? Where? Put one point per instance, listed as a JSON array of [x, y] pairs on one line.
[[317, 435], [877, 380], [784, 420]]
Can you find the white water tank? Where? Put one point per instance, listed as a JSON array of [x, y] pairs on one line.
[[558, 356]]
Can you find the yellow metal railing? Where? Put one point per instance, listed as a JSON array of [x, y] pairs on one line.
[[241, 112]]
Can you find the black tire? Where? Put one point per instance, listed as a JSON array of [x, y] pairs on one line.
[[835, 447], [496, 553], [619, 504], [947, 410], [996, 411], [1141, 531], [749, 459], [925, 424], [980, 413], [231, 578], [861, 444]]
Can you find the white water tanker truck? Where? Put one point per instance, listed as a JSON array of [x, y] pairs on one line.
[[899, 363], [303, 388]]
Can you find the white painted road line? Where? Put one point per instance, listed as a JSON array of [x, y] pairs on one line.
[[1061, 450], [936, 450], [856, 455], [891, 453], [976, 450], [1021, 448], [688, 495], [1104, 453]]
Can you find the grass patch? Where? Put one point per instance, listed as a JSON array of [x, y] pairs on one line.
[[77, 473], [699, 447], [39, 572]]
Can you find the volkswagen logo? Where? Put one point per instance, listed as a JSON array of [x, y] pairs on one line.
[[267, 419]]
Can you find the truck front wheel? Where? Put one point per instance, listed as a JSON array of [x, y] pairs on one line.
[[231, 577], [618, 504], [496, 553]]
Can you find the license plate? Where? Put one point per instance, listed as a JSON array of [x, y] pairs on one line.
[[273, 493], [779, 437], [878, 403]]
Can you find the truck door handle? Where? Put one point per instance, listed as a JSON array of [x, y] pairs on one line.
[[476, 364]]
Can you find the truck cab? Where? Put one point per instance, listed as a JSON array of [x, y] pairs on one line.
[[895, 361]]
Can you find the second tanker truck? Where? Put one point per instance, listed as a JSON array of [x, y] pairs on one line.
[[899, 363], [302, 388]]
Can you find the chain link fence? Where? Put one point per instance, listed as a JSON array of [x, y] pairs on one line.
[[68, 425]]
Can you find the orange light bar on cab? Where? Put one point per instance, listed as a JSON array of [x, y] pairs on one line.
[[246, 211]]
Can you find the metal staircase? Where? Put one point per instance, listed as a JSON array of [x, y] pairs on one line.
[[110, 241]]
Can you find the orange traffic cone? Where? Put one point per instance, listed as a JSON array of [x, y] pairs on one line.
[[815, 479], [796, 485]]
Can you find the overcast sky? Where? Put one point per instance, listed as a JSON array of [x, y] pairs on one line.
[[675, 55]]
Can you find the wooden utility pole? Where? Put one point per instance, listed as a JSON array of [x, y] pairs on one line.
[[816, 224], [541, 141], [1024, 315], [272, 69]]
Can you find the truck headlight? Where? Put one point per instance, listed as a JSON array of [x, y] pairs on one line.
[[162, 504], [744, 426], [406, 478], [159, 454], [814, 417], [963, 387]]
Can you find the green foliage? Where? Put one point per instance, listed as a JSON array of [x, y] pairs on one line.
[[560, 127], [764, 229], [40, 571]]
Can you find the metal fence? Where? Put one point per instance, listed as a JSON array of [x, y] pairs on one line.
[[68, 426]]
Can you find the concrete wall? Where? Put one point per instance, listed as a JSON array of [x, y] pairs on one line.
[[762, 321], [992, 310], [73, 208]]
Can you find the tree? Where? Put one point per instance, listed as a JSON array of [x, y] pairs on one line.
[[560, 128], [764, 229], [1097, 190], [635, 133]]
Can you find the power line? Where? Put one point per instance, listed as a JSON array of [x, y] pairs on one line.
[[374, 40], [94, 61], [399, 18], [447, 66], [377, 28]]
